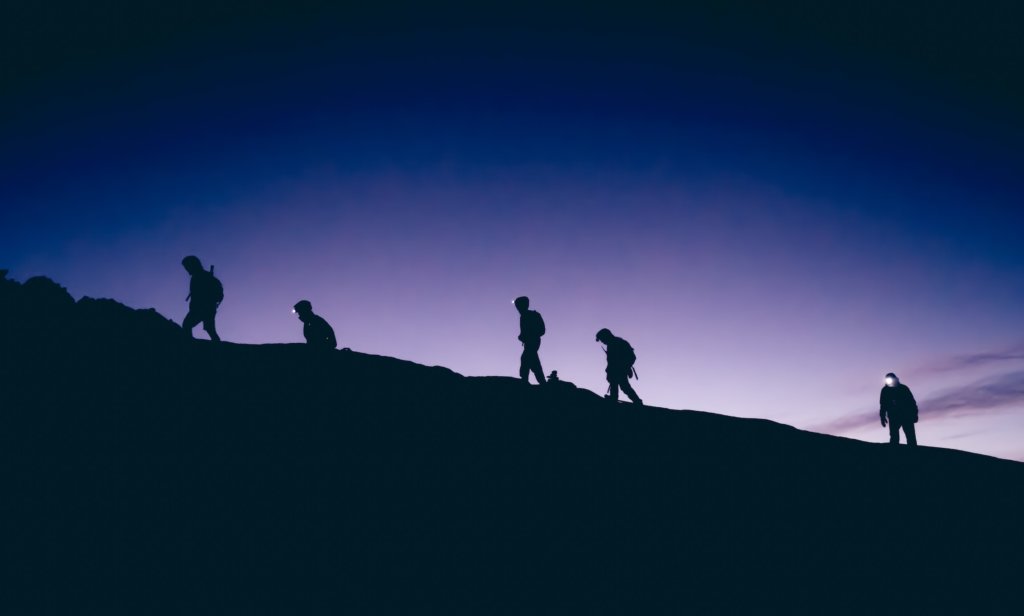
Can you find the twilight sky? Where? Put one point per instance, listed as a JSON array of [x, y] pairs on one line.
[[775, 206]]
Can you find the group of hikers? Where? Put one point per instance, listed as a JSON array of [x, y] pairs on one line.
[[619, 353], [206, 293], [897, 407]]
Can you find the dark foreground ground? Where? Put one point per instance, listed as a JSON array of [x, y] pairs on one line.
[[142, 473]]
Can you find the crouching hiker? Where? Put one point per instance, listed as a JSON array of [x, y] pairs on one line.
[[317, 331]]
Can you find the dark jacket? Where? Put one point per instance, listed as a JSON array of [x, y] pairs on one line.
[[897, 404], [621, 356], [204, 290], [531, 326], [319, 333]]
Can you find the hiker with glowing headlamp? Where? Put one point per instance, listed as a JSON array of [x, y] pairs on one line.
[[898, 409], [318, 332]]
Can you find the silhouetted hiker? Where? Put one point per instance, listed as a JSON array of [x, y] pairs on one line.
[[205, 295], [318, 332], [621, 358], [531, 328], [897, 404]]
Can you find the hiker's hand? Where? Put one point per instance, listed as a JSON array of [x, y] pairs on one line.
[[883, 422]]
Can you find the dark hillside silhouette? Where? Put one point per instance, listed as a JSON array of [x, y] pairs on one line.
[[144, 472]]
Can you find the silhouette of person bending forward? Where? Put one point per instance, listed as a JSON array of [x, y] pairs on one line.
[[897, 404], [531, 328], [315, 328], [621, 358], [205, 295]]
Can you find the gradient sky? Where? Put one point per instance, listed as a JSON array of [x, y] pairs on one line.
[[775, 206]]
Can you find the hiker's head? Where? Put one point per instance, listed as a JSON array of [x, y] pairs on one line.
[[604, 335], [522, 303], [192, 264], [303, 308], [891, 380]]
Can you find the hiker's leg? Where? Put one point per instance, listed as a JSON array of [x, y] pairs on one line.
[[628, 390], [538, 372], [894, 432], [535, 366], [911, 432], [529, 362], [613, 388], [210, 325], [191, 320]]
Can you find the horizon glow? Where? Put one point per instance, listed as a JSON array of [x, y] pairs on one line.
[[771, 239]]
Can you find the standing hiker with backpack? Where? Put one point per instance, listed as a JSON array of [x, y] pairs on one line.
[[531, 328], [898, 409], [621, 358], [205, 295]]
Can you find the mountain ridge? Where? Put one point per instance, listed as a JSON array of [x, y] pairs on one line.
[[152, 472]]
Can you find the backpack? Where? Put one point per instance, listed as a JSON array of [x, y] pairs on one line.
[[538, 323], [216, 288], [630, 359]]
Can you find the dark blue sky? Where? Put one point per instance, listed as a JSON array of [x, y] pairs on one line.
[[776, 204]]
